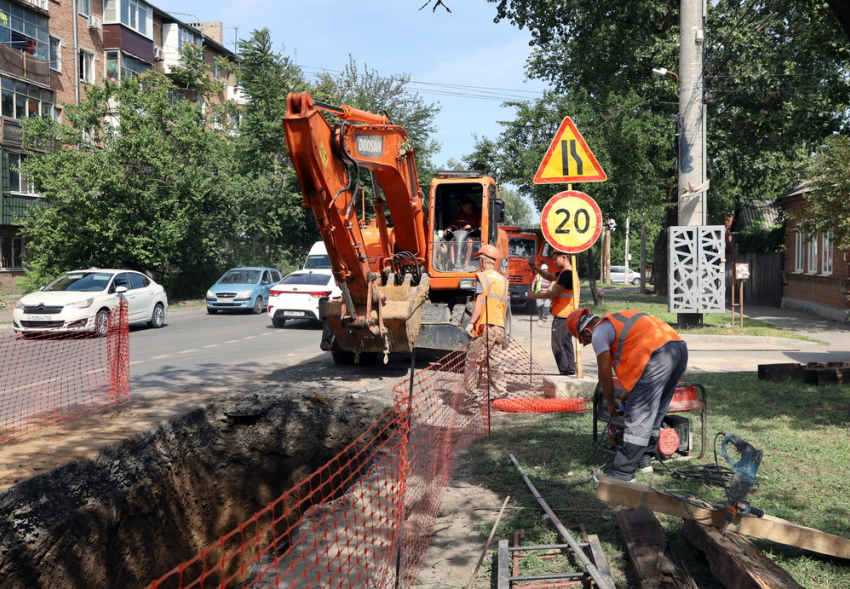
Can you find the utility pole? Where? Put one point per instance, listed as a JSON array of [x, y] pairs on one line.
[[642, 253], [627, 256], [691, 124]]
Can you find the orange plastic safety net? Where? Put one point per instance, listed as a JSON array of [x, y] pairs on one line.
[[47, 378], [365, 518]]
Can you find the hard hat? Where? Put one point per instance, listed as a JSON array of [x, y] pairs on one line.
[[489, 251], [544, 267], [578, 320]]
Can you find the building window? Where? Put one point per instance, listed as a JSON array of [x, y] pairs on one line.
[[84, 6], [186, 36], [813, 253], [19, 100], [55, 54], [86, 67], [17, 181], [11, 252], [130, 13], [799, 240], [120, 66], [826, 252], [24, 30]]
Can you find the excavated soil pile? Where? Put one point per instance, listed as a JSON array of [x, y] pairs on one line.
[[145, 505]]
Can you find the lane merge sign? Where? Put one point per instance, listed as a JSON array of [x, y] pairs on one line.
[[571, 221], [569, 159]]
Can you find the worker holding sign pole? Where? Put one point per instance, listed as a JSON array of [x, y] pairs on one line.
[[563, 304]]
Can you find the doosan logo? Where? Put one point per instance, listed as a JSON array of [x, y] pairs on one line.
[[369, 146]]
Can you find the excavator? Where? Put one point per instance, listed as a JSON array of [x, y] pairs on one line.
[[408, 276]]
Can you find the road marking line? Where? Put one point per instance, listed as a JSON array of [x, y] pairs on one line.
[[250, 337], [262, 334], [160, 357], [233, 341], [134, 363], [212, 346], [187, 351]]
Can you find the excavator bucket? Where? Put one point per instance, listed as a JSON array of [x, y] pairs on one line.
[[395, 325]]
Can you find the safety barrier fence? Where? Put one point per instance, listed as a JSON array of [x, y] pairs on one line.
[[47, 378], [365, 519]]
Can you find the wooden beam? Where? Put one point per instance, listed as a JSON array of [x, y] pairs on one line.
[[599, 558], [735, 561], [503, 570], [781, 372], [767, 527], [655, 564]]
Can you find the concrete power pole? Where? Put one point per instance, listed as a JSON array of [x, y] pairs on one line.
[[691, 124], [628, 267]]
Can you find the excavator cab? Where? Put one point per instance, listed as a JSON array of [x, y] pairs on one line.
[[457, 227]]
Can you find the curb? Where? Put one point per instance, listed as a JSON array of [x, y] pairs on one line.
[[745, 339]]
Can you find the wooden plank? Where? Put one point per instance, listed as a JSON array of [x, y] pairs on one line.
[[599, 558], [767, 527], [504, 571], [655, 564], [780, 372], [826, 376], [735, 561]]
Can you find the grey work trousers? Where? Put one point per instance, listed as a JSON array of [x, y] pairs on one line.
[[562, 346], [647, 405]]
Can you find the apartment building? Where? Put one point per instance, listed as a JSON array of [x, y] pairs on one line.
[[50, 50]]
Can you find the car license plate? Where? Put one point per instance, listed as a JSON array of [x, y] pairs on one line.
[[39, 318], [224, 300], [294, 313]]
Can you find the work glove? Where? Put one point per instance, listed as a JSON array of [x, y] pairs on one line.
[[468, 330]]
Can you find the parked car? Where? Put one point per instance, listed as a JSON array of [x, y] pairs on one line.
[[317, 258], [297, 296], [242, 289], [618, 274], [83, 300]]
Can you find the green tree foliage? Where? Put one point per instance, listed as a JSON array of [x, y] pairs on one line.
[[149, 187], [277, 229], [517, 210], [754, 238], [776, 76], [829, 201]]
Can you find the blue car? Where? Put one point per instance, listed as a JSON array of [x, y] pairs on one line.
[[242, 289]]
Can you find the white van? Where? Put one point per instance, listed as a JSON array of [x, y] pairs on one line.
[[318, 258]]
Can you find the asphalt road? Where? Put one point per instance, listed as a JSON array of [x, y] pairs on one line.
[[196, 349]]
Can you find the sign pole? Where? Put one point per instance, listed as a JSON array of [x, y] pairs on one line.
[[577, 304]]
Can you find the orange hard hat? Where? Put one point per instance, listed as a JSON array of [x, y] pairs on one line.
[[578, 320], [490, 251]]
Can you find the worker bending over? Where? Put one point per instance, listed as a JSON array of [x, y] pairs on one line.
[[563, 304], [487, 329], [648, 357]]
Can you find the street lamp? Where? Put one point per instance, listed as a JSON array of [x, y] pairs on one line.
[[660, 71]]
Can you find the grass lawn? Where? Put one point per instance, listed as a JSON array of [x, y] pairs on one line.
[[183, 304], [628, 297], [803, 477]]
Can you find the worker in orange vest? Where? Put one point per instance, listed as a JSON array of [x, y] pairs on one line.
[[648, 357], [563, 304], [487, 329]]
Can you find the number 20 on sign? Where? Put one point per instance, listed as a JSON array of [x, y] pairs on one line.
[[571, 222]]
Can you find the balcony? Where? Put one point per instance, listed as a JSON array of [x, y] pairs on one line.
[[237, 94], [40, 5]]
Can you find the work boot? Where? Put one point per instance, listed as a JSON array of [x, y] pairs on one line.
[[645, 464], [611, 475]]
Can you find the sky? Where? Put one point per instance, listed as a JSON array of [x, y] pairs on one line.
[[462, 59]]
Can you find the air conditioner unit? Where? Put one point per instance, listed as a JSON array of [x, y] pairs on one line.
[[95, 23], [157, 53]]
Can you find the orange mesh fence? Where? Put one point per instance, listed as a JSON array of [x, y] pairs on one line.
[[365, 518], [50, 377]]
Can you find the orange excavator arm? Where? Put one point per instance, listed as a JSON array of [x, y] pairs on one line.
[[328, 161]]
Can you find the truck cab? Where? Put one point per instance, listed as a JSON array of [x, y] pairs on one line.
[[522, 249]]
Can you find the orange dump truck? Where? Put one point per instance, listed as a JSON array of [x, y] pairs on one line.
[[523, 247]]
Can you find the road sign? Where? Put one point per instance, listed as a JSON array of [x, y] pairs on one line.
[[571, 221], [742, 271], [569, 159]]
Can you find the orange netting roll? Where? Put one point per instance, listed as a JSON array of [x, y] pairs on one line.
[[540, 405]]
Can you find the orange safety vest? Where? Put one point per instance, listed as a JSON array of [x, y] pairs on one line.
[[638, 336], [495, 287], [564, 303]]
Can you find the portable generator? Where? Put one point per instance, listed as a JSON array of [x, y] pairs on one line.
[[676, 439]]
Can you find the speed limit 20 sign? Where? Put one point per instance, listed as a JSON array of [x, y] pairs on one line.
[[571, 221]]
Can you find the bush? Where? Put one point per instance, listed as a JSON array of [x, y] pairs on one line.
[[755, 239]]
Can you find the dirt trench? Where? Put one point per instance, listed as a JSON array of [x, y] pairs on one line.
[[146, 504]]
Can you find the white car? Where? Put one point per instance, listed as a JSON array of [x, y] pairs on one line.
[[297, 296], [83, 300], [618, 275]]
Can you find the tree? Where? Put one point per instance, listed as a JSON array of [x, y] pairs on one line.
[[149, 187], [828, 201], [517, 210]]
